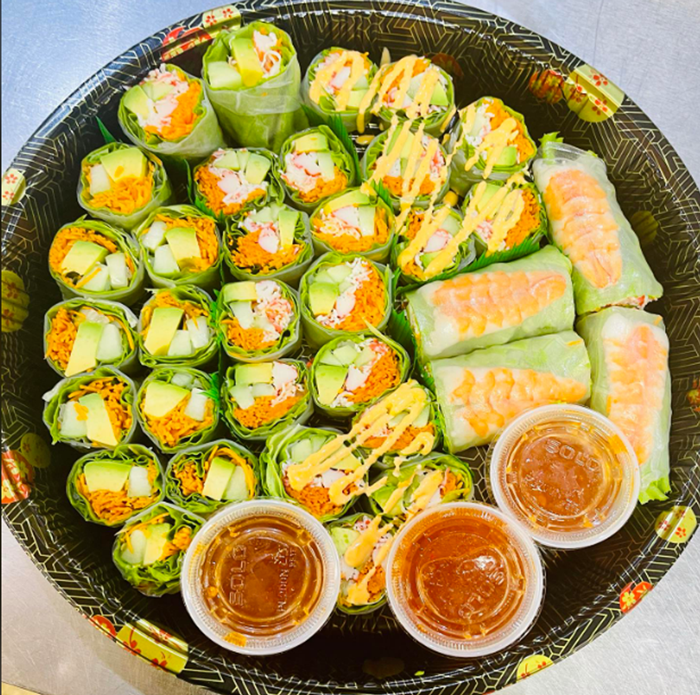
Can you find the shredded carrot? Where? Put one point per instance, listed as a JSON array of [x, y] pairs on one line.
[[248, 339], [174, 426], [183, 118], [165, 298], [263, 411], [347, 243], [111, 390], [180, 542], [394, 184], [246, 252], [406, 438], [315, 498], [188, 475], [208, 186], [528, 221], [126, 195], [61, 336], [205, 229], [322, 188], [81, 412], [521, 142], [370, 302], [450, 483], [376, 583], [383, 376]]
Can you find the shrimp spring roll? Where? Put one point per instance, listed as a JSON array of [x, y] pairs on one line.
[[92, 259], [266, 397], [206, 477], [110, 487], [177, 326], [480, 393], [632, 386], [258, 321], [169, 114], [91, 411], [122, 185], [588, 225], [82, 335], [178, 407], [149, 550], [498, 304]]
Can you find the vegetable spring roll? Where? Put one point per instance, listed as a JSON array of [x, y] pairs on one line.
[[81, 335], [258, 321], [149, 550], [492, 306], [480, 393], [205, 478], [632, 386], [91, 411], [178, 407], [177, 326], [110, 487], [92, 259], [252, 77], [266, 397], [122, 185], [169, 114], [587, 224]]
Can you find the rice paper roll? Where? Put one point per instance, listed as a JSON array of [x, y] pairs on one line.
[[344, 294], [110, 487], [588, 225], [498, 304], [252, 78], [122, 185], [270, 243], [480, 393], [82, 335], [91, 411], [149, 550], [178, 407], [258, 321], [177, 326], [265, 397], [168, 113], [632, 386], [204, 478], [94, 260]]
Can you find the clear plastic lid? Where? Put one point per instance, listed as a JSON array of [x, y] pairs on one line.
[[465, 580], [310, 569], [566, 473]]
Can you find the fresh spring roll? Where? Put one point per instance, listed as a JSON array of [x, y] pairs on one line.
[[632, 386], [353, 222], [110, 487], [91, 411], [206, 477], [352, 372], [233, 181], [498, 304], [363, 544], [314, 165], [252, 77], [180, 246], [335, 83], [122, 185], [588, 225], [81, 335], [177, 326], [480, 393], [149, 550], [178, 407], [270, 243], [92, 259], [169, 114], [258, 321], [266, 397], [344, 294]]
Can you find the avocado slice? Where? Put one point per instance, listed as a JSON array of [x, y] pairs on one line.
[[160, 398], [427, 258], [99, 181], [509, 157], [99, 426], [439, 95], [329, 382], [228, 160], [423, 417], [349, 463], [489, 192], [125, 162], [155, 545], [365, 357], [106, 475], [223, 75], [311, 142], [239, 292], [343, 538], [83, 355], [136, 100], [157, 90], [356, 197], [287, 222], [338, 273], [355, 98], [260, 373], [366, 213], [183, 244], [329, 358], [346, 353], [256, 168], [322, 298], [82, 256], [451, 225], [164, 324], [218, 477], [135, 555], [247, 61], [237, 488], [243, 396], [326, 165], [301, 450], [381, 497]]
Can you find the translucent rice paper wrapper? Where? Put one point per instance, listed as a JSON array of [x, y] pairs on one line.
[[636, 284], [608, 337], [161, 194], [201, 356], [161, 577], [195, 502], [317, 334], [349, 411], [561, 356], [58, 395], [298, 415], [264, 115], [206, 279], [204, 138], [211, 390], [135, 454], [128, 363], [437, 337], [125, 244]]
